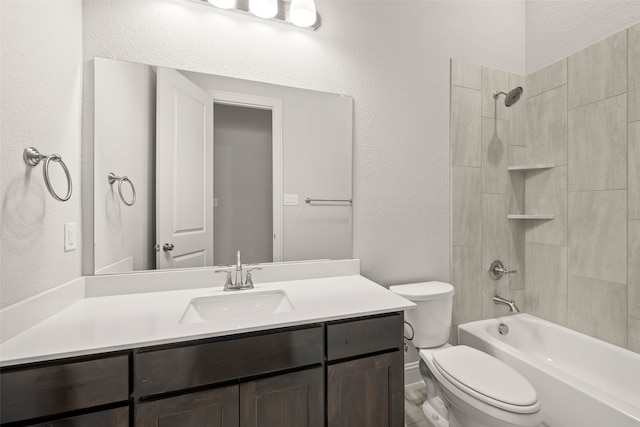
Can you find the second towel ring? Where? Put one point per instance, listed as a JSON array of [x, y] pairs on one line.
[[112, 177], [33, 157]]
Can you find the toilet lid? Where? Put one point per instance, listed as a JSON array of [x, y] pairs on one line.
[[424, 291], [488, 378]]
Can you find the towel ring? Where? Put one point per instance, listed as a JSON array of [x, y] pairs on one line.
[[33, 157], [112, 177]]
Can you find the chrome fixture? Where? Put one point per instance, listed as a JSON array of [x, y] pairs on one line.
[[511, 97], [301, 13], [230, 285], [497, 270], [309, 200], [32, 157], [503, 329], [512, 304], [112, 177]]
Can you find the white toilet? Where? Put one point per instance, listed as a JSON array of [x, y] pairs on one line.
[[465, 387]]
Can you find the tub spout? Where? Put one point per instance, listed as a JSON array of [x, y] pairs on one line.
[[512, 304]]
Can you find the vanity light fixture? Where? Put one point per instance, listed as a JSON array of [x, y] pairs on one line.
[[223, 4], [266, 9], [301, 13]]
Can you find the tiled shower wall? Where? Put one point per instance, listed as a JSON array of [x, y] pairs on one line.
[[582, 268]]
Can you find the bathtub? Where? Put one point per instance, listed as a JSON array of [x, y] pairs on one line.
[[581, 381]]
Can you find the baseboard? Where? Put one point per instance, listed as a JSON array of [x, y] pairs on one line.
[[411, 373]]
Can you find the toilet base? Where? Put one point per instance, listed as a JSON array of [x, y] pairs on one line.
[[432, 417]]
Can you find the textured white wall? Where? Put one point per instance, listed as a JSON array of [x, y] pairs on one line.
[[41, 96], [125, 125], [556, 29], [392, 57]]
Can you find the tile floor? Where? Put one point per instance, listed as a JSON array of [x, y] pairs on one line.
[[414, 395]]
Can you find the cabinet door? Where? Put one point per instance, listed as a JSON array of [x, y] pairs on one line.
[[210, 408], [295, 399], [366, 392]]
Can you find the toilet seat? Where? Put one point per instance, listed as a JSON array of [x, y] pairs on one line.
[[486, 379]]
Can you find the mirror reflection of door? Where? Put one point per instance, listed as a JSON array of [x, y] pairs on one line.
[[243, 189], [184, 172]]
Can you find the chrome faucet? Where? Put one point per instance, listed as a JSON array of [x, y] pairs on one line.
[[229, 284], [512, 304]]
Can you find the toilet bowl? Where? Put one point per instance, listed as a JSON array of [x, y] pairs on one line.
[[465, 387]]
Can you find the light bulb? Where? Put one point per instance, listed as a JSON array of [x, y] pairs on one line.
[[264, 8], [303, 13], [223, 4]]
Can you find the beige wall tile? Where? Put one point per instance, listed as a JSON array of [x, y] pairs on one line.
[[546, 194], [599, 71], [594, 309], [495, 228], [547, 78], [598, 145], [518, 113], [490, 288], [495, 245], [465, 74], [634, 335], [547, 127], [466, 131], [465, 277], [634, 73], [546, 282], [634, 268], [517, 156], [517, 251], [598, 235], [494, 80], [634, 170], [466, 206], [495, 156]]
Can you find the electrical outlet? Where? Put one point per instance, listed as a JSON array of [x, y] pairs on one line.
[[69, 236]]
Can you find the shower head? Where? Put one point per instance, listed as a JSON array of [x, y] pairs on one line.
[[510, 98]]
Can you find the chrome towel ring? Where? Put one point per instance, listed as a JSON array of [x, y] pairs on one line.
[[32, 157], [112, 177]]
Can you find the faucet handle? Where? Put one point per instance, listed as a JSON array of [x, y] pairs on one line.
[[249, 280], [497, 270], [228, 283]]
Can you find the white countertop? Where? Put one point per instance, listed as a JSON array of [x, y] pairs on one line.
[[117, 322]]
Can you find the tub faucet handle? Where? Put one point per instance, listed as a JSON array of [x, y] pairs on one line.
[[497, 270]]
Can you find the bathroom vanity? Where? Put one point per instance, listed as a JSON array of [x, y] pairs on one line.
[[336, 370]]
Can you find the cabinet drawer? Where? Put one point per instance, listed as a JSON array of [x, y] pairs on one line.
[[118, 417], [47, 390], [358, 337], [170, 369]]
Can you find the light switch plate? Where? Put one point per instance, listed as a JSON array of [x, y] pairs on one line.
[[69, 236], [291, 200]]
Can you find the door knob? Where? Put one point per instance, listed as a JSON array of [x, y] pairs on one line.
[[167, 247]]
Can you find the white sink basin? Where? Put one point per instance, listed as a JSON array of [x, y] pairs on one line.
[[237, 304]]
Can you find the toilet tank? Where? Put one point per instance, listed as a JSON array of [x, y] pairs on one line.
[[430, 319]]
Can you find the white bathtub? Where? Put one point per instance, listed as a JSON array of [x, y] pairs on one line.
[[581, 381]]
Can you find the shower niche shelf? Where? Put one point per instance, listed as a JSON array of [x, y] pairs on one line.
[[525, 168], [539, 217]]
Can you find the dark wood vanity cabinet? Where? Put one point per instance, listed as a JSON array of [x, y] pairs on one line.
[[91, 391], [341, 373], [274, 378], [365, 372]]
